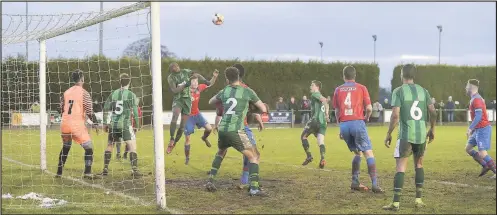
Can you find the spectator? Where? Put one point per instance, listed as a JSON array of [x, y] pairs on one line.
[[434, 101], [293, 104], [306, 107], [280, 105], [386, 104], [377, 109], [449, 108], [441, 106], [35, 107], [331, 112], [97, 106]]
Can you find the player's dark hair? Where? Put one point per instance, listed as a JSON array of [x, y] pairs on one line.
[[77, 75], [349, 72], [232, 74], [240, 68], [317, 83], [124, 79], [474, 82], [409, 71]]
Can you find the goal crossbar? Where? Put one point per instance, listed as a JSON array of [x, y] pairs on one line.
[[97, 19]]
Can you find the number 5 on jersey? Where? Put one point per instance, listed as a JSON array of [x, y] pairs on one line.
[[118, 107]]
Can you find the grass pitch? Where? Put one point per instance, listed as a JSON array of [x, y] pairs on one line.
[[451, 182]]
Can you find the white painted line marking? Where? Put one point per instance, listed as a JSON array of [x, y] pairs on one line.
[[117, 193]]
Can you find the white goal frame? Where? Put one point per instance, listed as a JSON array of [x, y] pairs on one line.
[[160, 188]]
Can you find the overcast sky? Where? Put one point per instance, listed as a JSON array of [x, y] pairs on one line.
[[406, 32]]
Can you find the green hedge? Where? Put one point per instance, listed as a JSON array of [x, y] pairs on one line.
[[443, 81], [270, 79]]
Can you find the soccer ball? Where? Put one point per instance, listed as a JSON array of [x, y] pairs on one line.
[[218, 19], [457, 102]]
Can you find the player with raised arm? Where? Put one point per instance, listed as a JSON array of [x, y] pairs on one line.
[[235, 100], [196, 118], [76, 107], [252, 113], [122, 104], [479, 133], [411, 104], [317, 124], [179, 83], [349, 101]]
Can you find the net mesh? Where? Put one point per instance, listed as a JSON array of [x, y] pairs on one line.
[[126, 42]]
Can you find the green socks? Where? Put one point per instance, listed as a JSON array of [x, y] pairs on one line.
[[398, 183], [322, 151], [419, 179], [254, 176], [216, 164]]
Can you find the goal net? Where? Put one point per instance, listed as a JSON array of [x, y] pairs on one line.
[[39, 53]]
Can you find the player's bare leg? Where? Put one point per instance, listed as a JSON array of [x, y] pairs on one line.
[[216, 164], [207, 132], [419, 180], [88, 147], [172, 129], [64, 152], [356, 169], [108, 157], [133, 158], [322, 150], [187, 149], [305, 144], [398, 184], [476, 156], [370, 160]]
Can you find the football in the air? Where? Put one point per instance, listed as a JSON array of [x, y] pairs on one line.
[[218, 19]]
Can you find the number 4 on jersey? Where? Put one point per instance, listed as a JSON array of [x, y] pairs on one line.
[[348, 105]]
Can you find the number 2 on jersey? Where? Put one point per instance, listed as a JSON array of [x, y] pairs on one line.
[[348, 105], [233, 103]]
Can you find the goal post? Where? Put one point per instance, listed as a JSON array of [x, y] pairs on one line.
[[158, 127], [43, 104], [46, 90]]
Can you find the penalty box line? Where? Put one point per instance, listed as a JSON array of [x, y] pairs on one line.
[[329, 170], [117, 193]]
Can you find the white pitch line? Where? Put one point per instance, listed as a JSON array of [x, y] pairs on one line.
[[117, 193], [329, 170]]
